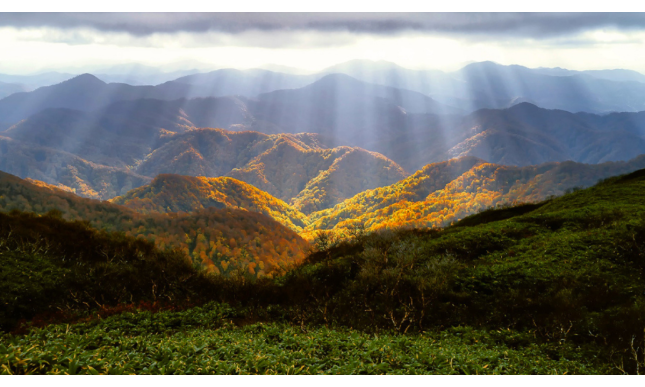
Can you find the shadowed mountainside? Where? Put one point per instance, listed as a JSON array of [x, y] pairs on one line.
[[521, 135]]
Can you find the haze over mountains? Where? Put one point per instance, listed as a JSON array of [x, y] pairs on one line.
[[314, 141], [491, 85], [240, 169]]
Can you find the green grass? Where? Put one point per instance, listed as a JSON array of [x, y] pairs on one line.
[[203, 341]]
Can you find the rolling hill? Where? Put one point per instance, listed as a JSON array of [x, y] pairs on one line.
[[145, 138], [175, 193], [66, 170], [222, 240], [444, 192], [435, 196], [102, 140]]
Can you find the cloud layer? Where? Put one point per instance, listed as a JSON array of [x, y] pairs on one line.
[[531, 25]]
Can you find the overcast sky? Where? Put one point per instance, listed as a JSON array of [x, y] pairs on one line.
[[311, 41]]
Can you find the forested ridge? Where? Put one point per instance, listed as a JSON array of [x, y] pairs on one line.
[[219, 239], [445, 192], [174, 193]]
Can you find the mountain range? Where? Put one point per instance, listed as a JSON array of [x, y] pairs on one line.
[[330, 150], [139, 139], [435, 196], [490, 85], [225, 224]]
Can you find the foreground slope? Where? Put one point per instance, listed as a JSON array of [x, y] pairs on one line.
[[50, 265], [221, 240], [549, 288], [275, 349], [566, 270]]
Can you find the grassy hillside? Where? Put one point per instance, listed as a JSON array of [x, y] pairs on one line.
[[203, 341], [174, 193], [50, 265], [568, 270]]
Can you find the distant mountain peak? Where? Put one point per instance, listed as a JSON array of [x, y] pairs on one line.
[[334, 79], [87, 79], [486, 63], [337, 76], [525, 106]]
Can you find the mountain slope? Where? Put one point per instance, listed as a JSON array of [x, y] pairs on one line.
[[521, 135], [618, 75], [289, 167], [342, 107], [214, 152], [568, 269], [6, 89], [174, 193], [84, 92], [448, 191], [313, 179], [528, 135], [124, 132], [55, 167], [221, 240], [150, 137], [502, 84]]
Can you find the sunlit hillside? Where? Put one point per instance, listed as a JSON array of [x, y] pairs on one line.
[[221, 240], [434, 196], [442, 193], [175, 193]]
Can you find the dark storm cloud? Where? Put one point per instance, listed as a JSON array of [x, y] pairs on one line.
[[532, 25]]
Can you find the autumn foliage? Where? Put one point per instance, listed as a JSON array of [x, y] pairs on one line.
[[222, 240]]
